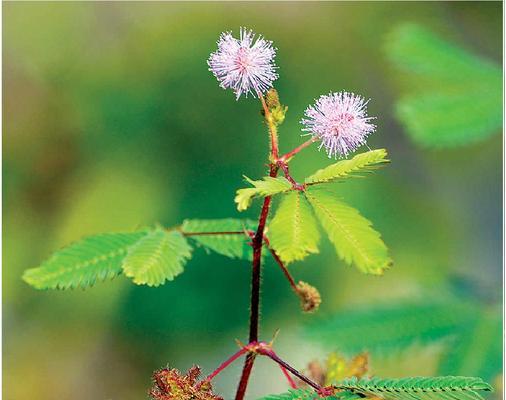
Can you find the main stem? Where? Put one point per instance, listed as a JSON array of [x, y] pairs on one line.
[[257, 258]]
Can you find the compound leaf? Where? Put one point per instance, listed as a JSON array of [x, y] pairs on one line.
[[293, 232], [267, 186], [157, 257], [354, 239], [82, 263], [233, 245], [417, 388], [309, 394], [364, 162]]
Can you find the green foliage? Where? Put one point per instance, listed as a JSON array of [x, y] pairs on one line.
[[394, 326], [363, 162], [459, 95], [309, 394], [417, 388], [293, 232], [84, 262], [157, 257], [231, 245], [444, 120], [355, 240], [477, 350], [267, 186]]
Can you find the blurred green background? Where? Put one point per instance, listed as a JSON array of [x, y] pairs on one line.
[[112, 121]]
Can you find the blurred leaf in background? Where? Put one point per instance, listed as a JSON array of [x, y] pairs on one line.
[[456, 96]]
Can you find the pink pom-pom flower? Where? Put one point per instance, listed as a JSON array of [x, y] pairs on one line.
[[340, 121], [244, 65]]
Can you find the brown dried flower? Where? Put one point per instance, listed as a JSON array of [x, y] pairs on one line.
[[310, 298], [169, 384]]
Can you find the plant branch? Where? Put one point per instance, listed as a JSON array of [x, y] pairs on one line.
[[281, 265], [226, 363], [257, 255], [286, 171], [286, 157], [267, 351], [273, 130], [291, 382]]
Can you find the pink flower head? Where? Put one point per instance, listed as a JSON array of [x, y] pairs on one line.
[[245, 65], [340, 121]]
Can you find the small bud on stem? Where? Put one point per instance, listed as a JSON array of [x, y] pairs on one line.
[[310, 298]]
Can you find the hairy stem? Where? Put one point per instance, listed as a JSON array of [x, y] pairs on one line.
[[257, 256], [255, 291], [286, 157]]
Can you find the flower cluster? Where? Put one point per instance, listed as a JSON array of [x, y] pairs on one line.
[[245, 65]]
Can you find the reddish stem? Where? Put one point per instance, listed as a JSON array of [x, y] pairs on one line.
[[291, 382], [255, 291], [284, 166], [273, 356], [281, 265], [226, 363], [286, 157], [257, 257], [265, 349]]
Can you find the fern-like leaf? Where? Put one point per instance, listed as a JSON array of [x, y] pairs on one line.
[[267, 186], [81, 264], [309, 394], [293, 232], [355, 240], [394, 326], [228, 245], [417, 388], [157, 257], [364, 162]]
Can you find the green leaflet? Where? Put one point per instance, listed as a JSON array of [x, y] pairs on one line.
[[364, 162], [309, 394], [267, 186], [355, 240], [228, 245], [418, 388], [415, 49], [392, 326], [82, 263], [293, 233], [157, 257], [456, 97], [442, 120]]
